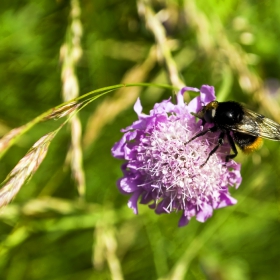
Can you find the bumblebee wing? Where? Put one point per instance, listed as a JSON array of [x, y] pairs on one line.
[[257, 125]]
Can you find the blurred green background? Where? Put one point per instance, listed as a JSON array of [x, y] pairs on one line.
[[47, 232]]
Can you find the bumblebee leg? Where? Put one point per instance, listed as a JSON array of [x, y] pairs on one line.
[[233, 147], [212, 129], [220, 143]]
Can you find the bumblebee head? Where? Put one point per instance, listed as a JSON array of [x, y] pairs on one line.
[[208, 112]]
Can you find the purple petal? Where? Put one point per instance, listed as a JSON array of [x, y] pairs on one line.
[[138, 107], [127, 185], [146, 198], [207, 94], [122, 149], [118, 148], [184, 220], [225, 200], [132, 202], [180, 94], [204, 213], [162, 206], [163, 107], [195, 105]]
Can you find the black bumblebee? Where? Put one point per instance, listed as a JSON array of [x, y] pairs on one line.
[[240, 125]]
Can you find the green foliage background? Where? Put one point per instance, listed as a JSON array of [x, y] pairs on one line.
[[47, 232]]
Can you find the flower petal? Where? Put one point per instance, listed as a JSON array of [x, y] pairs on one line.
[[204, 213], [207, 94], [127, 185], [195, 105], [138, 107], [184, 220], [132, 202], [225, 200], [180, 94]]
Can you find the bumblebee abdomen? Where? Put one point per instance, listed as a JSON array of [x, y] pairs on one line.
[[247, 143]]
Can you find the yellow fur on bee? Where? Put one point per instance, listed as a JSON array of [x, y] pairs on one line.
[[254, 146]]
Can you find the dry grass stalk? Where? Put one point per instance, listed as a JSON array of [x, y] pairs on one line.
[[70, 54], [12, 136], [111, 254], [77, 156], [6, 139], [25, 168], [63, 111], [105, 248], [156, 27]]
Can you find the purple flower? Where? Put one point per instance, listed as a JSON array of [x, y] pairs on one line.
[[164, 171]]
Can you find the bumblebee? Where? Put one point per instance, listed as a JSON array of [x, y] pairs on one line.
[[239, 125]]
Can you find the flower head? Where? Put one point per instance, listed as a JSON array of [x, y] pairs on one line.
[[163, 170]]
